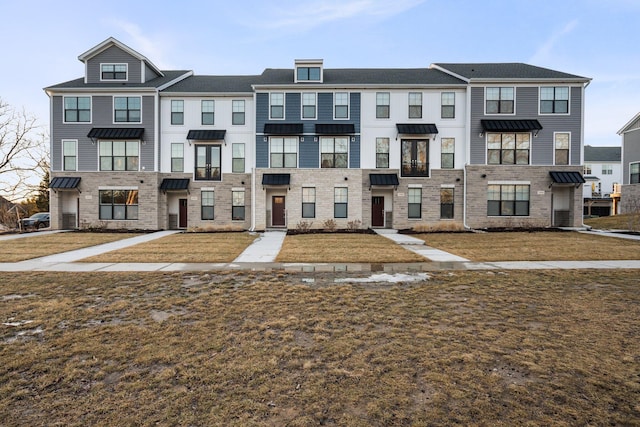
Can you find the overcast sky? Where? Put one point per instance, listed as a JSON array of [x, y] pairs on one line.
[[41, 41]]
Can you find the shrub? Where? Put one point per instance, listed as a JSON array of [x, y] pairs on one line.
[[330, 225], [304, 226], [354, 225]]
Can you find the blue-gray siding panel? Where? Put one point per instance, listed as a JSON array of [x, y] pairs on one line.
[[309, 153], [354, 153], [114, 55], [542, 146], [325, 107], [262, 152], [631, 152]]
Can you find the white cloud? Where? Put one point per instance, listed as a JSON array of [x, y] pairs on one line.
[[544, 52]]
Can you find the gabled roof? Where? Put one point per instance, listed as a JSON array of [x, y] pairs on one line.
[[113, 42], [364, 76], [505, 71], [632, 124], [213, 84], [157, 83], [602, 154]]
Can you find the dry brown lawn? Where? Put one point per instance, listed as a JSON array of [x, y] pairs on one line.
[[245, 349], [616, 222], [534, 246], [35, 245], [343, 247], [183, 247]]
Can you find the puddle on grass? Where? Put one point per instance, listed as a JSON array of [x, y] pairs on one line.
[[384, 277]]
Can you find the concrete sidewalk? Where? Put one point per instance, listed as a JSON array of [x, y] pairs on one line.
[[418, 246], [264, 249]]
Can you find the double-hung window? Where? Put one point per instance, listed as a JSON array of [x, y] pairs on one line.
[[508, 148], [284, 152], [446, 203], [607, 169], [237, 114], [119, 155], [276, 107], [508, 200], [118, 204], [308, 202], [69, 154], [415, 105], [341, 105], [382, 105], [334, 152], [207, 111], [208, 201], [308, 105], [113, 71], [415, 203], [448, 105], [500, 100], [237, 207], [561, 148], [237, 159], [177, 112], [340, 202], [447, 153], [554, 100], [77, 109], [177, 157], [127, 109], [382, 152], [634, 173], [586, 169]]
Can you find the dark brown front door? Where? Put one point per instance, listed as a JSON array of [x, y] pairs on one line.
[[182, 215], [277, 211], [377, 211]]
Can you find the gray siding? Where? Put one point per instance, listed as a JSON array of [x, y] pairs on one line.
[[542, 146], [114, 55], [310, 153], [262, 152], [325, 107], [354, 153], [102, 116], [630, 152]]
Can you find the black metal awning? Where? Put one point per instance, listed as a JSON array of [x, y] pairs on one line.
[[510, 125], [417, 128], [64, 183], [276, 179], [384, 179], [169, 184], [116, 133], [283, 128], [561, 177], [206, 134], [335, 129]]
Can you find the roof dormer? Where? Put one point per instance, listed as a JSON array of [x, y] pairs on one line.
[[308, 71]]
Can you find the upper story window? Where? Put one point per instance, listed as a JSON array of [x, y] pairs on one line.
[[334, 152], [207, 111], [508, 148], [561, 148], [586, 170], [77, 109], [177, 157], [382, 105], [447, 154], [69, 154], [607, 169], [554, 100], [237, 115], [119, 155], [237, 159], [276, 105], [284, 152], [415, 105], [308, 74], [448, 105], [500, 100], [177, 112], [308, 105], [113, 71], [127, 109], [382, 152], [341, 105], [634, 173]]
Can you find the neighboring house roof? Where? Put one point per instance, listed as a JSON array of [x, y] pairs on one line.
[[505, 71], [221, 84], [159, 82], [113, 42], [602, 154], [364, 76], [632, 124]]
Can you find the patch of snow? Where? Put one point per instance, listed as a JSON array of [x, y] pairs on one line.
[[384, 277], [24, 322]]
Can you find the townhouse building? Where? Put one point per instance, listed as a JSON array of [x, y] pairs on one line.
[[475, 145], [630, 189], [603, 175]]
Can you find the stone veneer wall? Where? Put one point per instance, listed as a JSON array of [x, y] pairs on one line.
[[630, 199]]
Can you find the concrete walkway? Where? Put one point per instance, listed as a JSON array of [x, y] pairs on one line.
[[264, 249], [418, 246]]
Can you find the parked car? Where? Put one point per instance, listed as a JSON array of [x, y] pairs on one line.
[[39, 220]]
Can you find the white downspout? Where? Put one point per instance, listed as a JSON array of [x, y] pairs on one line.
[[253, 199], [468, 155]]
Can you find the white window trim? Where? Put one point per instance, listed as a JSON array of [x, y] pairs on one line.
[[126, 66], [244, 111], [554, 148], [455, 99], [90, 110], [568, 113], [375, 111], [348, 106], [214, 111], [284, 106], [515, 103], [140, 167], [113, 107], [302, 107], [409, 105], [348, 151], [486, 148], [297, 151], [629, 176], [171, 112], [75, 141]]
